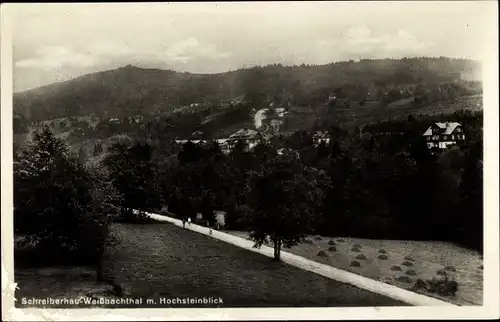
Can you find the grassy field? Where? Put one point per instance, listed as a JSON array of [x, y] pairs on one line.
[[156, 261], [303, 118], [59, 283], [425, 258]]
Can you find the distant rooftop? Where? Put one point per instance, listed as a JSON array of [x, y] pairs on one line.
[[446, 127], [244, 133]]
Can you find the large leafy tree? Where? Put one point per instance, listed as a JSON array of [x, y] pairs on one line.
[[135, 176], [59, 202], [284, 200]]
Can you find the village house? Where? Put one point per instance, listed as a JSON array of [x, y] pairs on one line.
[[197, 134], [284, 151], [442, 135], [321, 136], [249, 136], [225, 145], [182, 142]]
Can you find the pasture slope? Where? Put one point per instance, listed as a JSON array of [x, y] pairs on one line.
[[426, 257], [155, 261], [163, 261], [312, 266]]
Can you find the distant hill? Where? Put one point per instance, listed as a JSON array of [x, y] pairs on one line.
[[130, 91]]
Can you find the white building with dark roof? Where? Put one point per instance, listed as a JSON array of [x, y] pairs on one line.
[[321, 136], [442, 135]]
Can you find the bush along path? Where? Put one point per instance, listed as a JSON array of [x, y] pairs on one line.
[[315, 267]]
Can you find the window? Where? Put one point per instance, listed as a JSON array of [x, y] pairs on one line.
[[445, 137]]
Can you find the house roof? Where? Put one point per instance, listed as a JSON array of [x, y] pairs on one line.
[[446, 127], [192, 141], [321, 134], [244, 133]]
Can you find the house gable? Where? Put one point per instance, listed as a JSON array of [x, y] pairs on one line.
[[443, 134]]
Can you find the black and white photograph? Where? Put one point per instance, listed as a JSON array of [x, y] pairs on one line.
[[250, 155]]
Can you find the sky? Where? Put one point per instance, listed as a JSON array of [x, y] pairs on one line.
[[56, 42]]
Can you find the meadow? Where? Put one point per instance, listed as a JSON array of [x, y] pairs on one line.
[[398, 262], [162, 260]]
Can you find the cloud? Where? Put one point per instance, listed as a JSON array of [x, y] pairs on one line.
[[109, 48], [405, 41], [53, 57], [191, 49], [360, 41], [110, 53]]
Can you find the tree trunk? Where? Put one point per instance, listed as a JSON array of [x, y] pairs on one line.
[[276, 256], [277, 249]]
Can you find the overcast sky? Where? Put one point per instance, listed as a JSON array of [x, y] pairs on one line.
[[54, 42]]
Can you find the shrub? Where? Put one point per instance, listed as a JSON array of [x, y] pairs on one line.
[[407, 263], [382, 251], [356, 246], [331, 242], [361, 256], [441, 272], [321, 253], [450, 268], [355, 264], [136, 217], [387, 280], [409, 258], [317, 237], [340, 240], [411, 272], [382, 256], [443, 287], [395, 268], [404, 279], [355, 249], [332, 249], [419, 284], [307, 241]]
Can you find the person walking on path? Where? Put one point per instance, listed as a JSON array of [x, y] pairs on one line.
[[189, 221], [183, 222]]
